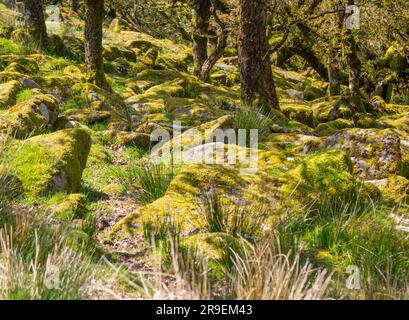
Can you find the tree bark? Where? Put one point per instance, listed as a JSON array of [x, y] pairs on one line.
[[218, 52], [200, 27], [35, 22], [354, 65], [94, 16], [334, 81], [254, 58], [74, 5]]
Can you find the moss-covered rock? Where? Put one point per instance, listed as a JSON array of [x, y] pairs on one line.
[[70, 207], [188, 139], [31, 117], [331, 127], [331, 109], [8, 92], [148, 60], [178, 62], [320, 175], [396, 58], [52, 162], [23, 66], [394, 188], [375, 153], [123, 138], [313, 93], [299, 112]]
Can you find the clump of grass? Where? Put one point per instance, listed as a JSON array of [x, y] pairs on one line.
[[249, 118], [152, 179], [38, 261], [219, 214], [262, 273], [353, 232], [401, 98]]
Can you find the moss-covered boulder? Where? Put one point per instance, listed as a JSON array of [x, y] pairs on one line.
[[23, 66], [332, 127], [70, 207], [325, 174], [394, 188], [124, 138], [313, 93], [299, 112], [148, 60], [8, 92], [375, 153], [331, 109], [52, 162], [31, 117], [191, 138]]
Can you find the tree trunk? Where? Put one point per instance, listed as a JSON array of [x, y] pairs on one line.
[[334, 81], [94, 16], [74, 5], [200, 28], [218, 52], [354, 65], [255, 66], [35, 22]]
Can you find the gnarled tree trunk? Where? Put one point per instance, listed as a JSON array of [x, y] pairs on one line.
[[200, 27], [94, 16], [254, 58], [35, 22]]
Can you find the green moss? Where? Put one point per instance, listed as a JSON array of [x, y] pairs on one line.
[[70, 207], [320, 174], [51, 163], [30, 117], [9, 47], [394, 188], [25, 95], [300, 113], [332, 127], [313, 93], [8, 93]]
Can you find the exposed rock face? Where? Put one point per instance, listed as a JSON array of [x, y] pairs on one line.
[[375, 154], [30, 117], [52, 162]]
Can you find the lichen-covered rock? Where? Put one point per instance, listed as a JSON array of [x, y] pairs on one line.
[[375, 153], [394, 188], [8, 92], [30, 117], [52, 162]]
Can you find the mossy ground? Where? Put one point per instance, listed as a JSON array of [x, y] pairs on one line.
[[311, 154]]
